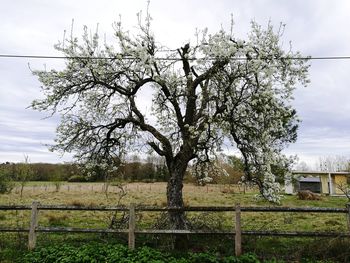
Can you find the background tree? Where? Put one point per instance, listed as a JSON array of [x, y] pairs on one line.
[[234, 168], [302, 166], [6, 180], [218, 87], [333, 163]]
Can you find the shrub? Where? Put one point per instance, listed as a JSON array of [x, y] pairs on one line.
[[56, 220], [76, 203], [6, 187], [308, 195], [147, 180], [77, 178], [335, 249], [6, 184]]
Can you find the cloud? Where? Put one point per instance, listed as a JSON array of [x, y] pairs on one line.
[[316, 27]]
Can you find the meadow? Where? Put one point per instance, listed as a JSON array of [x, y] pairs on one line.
[[154, 194]]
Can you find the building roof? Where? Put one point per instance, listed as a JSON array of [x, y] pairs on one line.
[[309, 179], [319, 173]]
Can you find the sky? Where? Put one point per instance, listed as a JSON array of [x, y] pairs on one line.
[[315, 28]]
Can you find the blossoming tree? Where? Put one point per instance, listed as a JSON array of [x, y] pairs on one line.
[[220, 88]]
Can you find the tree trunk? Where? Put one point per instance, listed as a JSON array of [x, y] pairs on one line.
[[177, 171]]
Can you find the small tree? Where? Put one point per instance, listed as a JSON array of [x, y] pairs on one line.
[[345, 189], [218, 88], [57, 179], [106, 168], [24, 173]]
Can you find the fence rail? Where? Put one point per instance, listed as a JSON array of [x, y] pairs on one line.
[[132, 231], [187, 209]]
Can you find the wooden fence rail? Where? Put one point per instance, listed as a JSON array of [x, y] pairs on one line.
[[132, 231]]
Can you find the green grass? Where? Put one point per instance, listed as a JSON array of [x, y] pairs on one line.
[[91, 194]]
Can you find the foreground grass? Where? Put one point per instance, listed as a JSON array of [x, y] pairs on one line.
[[267, 249], [103, 252], [95, 252]]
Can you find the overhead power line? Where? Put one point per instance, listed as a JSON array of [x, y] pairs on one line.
[[171, 59]]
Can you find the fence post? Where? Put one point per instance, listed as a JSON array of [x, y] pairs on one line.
[[33, 226], [132, 227], [238, 231], [348, 217]]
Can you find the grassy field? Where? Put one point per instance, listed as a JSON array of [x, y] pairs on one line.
[[93, 194]]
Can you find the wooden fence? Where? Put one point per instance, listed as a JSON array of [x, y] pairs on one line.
[[132, 231]]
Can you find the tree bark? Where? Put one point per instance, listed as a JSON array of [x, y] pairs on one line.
[[177, 171]]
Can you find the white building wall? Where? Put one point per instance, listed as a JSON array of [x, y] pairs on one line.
[[288, 187]]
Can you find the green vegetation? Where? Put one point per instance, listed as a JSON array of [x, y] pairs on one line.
[[96, 252], [111, 252], [214, 248]]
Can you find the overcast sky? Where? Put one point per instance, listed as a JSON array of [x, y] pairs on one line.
[[315, 27]]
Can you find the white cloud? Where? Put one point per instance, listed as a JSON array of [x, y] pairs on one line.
[[316, 27]]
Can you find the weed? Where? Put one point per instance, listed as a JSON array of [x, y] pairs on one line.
[[332, 222], [228, 191], [76, 203], [56, 220]]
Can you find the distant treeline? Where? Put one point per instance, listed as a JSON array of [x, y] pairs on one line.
[[133, 171], [41, 171]]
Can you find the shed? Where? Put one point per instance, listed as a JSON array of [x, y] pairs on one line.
[[317, 181], [310, 183]]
